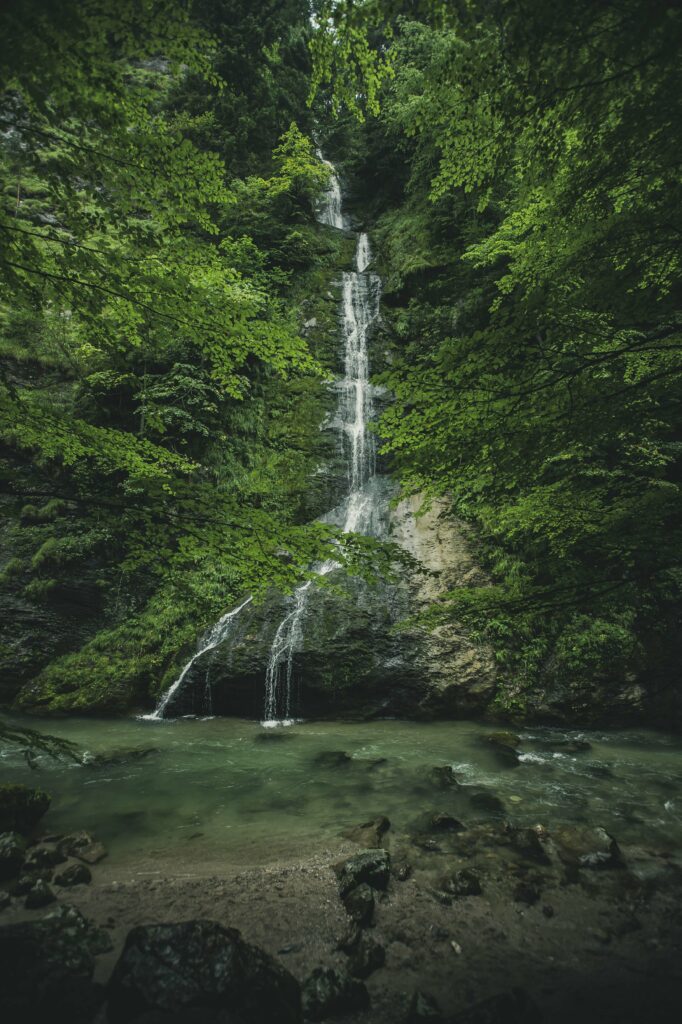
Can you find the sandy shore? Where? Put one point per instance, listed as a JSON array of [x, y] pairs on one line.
[[605, 948]]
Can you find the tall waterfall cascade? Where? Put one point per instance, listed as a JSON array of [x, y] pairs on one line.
[[361, 292]]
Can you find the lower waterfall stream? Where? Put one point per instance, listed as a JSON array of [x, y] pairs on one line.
[[361, 292]]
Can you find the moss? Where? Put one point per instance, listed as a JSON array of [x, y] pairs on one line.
[[21, 808]]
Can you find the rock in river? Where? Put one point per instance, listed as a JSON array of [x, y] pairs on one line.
[[359, 904], [370, 833], [583, 846], [367, 956], [39, 895], [83, 846], [175, 967], [329, 992]]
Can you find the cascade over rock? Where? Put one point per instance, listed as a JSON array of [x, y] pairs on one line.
[[336, 650]]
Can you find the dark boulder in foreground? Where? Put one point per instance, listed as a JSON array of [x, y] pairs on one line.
[[329, 992], [47, 969], [195, 966], [21, 807]]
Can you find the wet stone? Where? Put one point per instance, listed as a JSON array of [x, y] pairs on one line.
[[370, 866], [39, 896], [370, 833], [583, 846], [43, 857], [526, 893], [489, 803], [330, 992], [199, 964], [443, 777], [82, 846], [5, 900], [463, 883], [359, 904], [75, 874], [332, 759], [367, 957], [12, 851]]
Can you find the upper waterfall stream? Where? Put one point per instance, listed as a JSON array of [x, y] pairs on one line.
[[361, 291]]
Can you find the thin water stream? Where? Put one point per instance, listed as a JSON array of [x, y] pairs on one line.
[[228, 792]]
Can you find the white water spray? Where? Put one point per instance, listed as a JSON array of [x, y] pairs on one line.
[[360, 309]]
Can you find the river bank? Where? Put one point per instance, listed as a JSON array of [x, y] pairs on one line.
[[549, 860]]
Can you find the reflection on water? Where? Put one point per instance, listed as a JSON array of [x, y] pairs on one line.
[[227, 790]]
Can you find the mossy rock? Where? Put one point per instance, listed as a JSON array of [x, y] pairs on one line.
[[21, 807]]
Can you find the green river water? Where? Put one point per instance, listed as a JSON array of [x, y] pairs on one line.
[[226, 791]]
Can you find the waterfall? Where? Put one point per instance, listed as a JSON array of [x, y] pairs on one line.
[[355, 408], [215, 636], [360, 309]]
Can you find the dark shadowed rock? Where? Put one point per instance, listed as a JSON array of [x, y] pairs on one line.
[[75, 874], [529, 843], [488, 803], [115, 757], [443, 777], [83, 846], [515, 1007], [5, 899], [582, 846], [39, 896], [370, 833], [12, 852], [39, 857], [359, 904], [329, 992], [332, 759], [423, 1009], [367, 957], [370, 866], [200, 964], [503, 745], [462, 883], [21, 807], [47, 969], [438, 821], [526, 893]]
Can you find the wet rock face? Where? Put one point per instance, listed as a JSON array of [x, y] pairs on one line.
[[199, 964], [47, 969], [329, 992], [582, 846]]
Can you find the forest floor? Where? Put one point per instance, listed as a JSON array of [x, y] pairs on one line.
[[603, 948]]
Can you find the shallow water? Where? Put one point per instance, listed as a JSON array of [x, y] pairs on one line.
[[228, 791]]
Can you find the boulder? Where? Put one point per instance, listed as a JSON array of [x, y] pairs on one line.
[[329, 992], [119, 757], [443, 777], [21, 807], [41, 857], [370, 866], [438, 821], [47, 969], [12, 852], [488, 803], [503, 746], [530, 843], [359, 904], [584, 846], [370, 833], [462, 883], [332, 759], [83, 846], [75, 874], [5, 899], [526, 893], [195, 965], [39, 895], [367, 956]]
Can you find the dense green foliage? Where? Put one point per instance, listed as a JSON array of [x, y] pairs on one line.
[[159, 409], [530, 238]]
